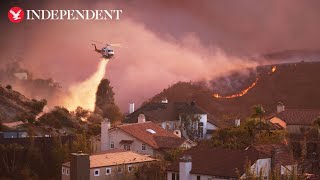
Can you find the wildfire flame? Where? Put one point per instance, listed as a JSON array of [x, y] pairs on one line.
[[274, 68], [84, 93], [243, 92]]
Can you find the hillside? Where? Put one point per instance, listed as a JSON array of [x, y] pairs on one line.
[[14, 105], [296, 85]]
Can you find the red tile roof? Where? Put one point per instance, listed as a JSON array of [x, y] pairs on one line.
[[160, 139], [297, 116], [216, 161], [221, 162], [286, 157]]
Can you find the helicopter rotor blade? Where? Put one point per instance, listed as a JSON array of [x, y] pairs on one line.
[[97, 42], [118, 46], [115, 45]]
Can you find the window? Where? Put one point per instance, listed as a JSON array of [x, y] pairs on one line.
[[175, 176], [130, 168], [198, 177], [143, 147], [108, 171], [63, 170], [96, 172], [126, 147], [200, 129], [112, 145], [67, 172]]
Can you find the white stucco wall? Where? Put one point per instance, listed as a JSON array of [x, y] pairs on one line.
[[287, 170], [263, 165], [211, 126], [117, 135], [194, 176]]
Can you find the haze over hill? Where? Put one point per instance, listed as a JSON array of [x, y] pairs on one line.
[[294, 84]]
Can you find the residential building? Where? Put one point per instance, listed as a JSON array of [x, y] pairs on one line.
[[295, 121], [208, 163], [142, 137], [108, 165], [189, 118]]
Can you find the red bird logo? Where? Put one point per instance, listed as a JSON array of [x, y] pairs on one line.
[[15, 14]]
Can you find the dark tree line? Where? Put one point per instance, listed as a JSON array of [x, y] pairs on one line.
[[39, 160]]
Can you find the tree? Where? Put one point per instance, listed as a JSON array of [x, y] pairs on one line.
[[9, 87], [258, 112], [189, 124], [245, 135], [154, 171], [81, 143], [105, 104], [81, 113]]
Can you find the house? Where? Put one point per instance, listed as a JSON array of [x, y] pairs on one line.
[[295, 121], [208, 163], [142, 137], [13, 134], [188, 118], [112, 164]]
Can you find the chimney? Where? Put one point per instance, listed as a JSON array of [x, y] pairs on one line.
[[131, 108], [79, 166], [280, 107], [185, 167], [141, 118], [105, 126], [164, 101], [237, 122]]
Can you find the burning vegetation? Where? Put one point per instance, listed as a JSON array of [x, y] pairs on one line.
[[274, 68], [243, 92]]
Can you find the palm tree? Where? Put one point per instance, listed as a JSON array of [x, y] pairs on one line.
[[258, 112]]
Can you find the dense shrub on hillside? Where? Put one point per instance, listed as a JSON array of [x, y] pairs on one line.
[[247, 134], [57, 118]]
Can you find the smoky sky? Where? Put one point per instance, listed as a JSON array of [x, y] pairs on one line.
[[163, 41]]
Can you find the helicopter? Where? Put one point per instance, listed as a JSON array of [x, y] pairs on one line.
[[107, 51]]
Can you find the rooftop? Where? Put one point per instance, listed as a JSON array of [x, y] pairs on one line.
[[152, 134], [297, 116], [115, 157], [216, 161], [160, 112]]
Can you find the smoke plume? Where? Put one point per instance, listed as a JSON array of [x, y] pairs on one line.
[[168, 41], [83, 94]]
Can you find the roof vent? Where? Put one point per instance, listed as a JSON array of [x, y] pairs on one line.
[[151, 131]]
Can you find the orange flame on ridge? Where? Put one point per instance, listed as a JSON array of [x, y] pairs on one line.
[[243, 92], [274, 68]]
